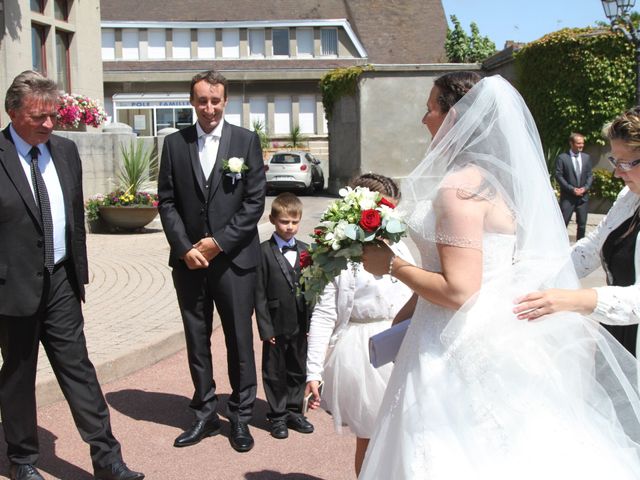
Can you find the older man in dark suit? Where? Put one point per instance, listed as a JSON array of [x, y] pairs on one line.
[[43, 269], [574, 175], [211, 188]]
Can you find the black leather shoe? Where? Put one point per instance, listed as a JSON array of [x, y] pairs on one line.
[[199, 430], [240, 438], [117, 471], [24, 472], [279, 429], [299, 424]]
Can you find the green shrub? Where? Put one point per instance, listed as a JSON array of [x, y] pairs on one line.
[[576, 80], [605, 185], [337, 83]]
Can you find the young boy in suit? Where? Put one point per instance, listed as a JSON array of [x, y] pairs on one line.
[[283, 319]]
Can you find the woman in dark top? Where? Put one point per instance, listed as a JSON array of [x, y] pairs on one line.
[[612, 245]]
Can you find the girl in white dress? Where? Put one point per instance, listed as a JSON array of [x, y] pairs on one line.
[[352, 308], [475, 392]]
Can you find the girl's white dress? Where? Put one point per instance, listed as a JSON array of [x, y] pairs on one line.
[[355, 306]]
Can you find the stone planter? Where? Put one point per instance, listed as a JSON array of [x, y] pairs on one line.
[[128, 218], [599, 205]]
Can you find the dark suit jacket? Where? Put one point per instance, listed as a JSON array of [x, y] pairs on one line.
[[566, 176], [279, 306], [21, 233], [191, 209]]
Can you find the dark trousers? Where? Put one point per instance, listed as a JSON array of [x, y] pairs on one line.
[[579, 205], [231, 290], [58, 324], [625, 334], [284, 374]]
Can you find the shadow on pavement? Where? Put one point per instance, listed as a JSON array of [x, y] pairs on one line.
[[270, 474], [173, 410], [48, 461]]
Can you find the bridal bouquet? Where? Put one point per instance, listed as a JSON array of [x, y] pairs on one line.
[[358, 217]]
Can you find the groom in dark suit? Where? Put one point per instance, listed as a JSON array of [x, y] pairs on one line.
[[43, 269], [211, 189], [574, 175]]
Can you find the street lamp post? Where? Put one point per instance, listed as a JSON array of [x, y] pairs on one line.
[[618, 13]]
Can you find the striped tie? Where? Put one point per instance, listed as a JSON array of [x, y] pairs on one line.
[[45, 209]]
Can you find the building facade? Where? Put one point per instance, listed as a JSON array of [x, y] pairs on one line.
[[273, 53], [59, 38]]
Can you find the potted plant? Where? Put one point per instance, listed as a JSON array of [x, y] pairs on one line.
[[75, 112], [131, 205]]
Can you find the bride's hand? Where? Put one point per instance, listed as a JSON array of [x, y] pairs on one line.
[[376, 257]]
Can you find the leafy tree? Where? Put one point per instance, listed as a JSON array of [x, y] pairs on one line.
[[462, 48]]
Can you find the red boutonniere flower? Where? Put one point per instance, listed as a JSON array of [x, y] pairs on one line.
[[384, 201], [305, 259], [370, 220]]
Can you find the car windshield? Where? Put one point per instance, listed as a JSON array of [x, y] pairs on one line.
[[285, 158]]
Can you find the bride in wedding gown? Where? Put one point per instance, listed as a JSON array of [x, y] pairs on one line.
[[476, 393]]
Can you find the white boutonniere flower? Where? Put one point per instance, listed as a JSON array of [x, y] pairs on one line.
[[234, 167]]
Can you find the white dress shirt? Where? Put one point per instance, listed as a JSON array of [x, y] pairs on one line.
[[54, 190], [290, 255], [577, 163], [208, 147]]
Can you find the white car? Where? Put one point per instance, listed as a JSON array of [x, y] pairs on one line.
[[294, 169]]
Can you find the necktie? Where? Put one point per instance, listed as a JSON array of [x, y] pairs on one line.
[[208, 157], [45, 209], [576, 165], [287, 248]]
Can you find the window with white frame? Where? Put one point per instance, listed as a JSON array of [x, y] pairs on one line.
[[181, 43], [307, 115], [280, 41], [108, 44], [329, 42], [156, 43], [230, 43], [130, 47], [258, 112], [256, 43], [206, 44], [282, 115], [233, 111], [304, 42]]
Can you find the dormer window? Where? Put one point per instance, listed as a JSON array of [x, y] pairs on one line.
[[329, 42]]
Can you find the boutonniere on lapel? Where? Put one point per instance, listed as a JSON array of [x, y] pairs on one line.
[[233, 168]]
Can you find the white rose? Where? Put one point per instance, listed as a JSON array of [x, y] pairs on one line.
[[236, 164]]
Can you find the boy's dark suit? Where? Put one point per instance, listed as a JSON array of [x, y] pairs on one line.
[[282, 313]]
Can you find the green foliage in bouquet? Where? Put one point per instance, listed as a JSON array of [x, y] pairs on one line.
[[360, 216]]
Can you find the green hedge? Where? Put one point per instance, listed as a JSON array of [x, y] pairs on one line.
[[605, 185], [576, 80]]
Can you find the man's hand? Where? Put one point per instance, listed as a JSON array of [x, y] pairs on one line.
[[208, 248], [195, 260], [579, 191]]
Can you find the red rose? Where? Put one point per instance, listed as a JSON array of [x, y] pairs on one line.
[[370, 220], [318, 232], [384, 201], [305, 259]]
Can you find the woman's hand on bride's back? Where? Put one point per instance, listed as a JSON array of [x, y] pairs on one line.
[[536, 304], [376, 258]]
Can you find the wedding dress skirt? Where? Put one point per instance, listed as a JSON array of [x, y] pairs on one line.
[[478, 394], [353, 388]]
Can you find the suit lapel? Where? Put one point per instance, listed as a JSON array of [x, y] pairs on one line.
[[65, 176], [282, 262], [223, 154], [11, 163], [192, 143]]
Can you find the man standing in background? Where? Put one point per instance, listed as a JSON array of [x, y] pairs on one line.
[[574, 175]]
